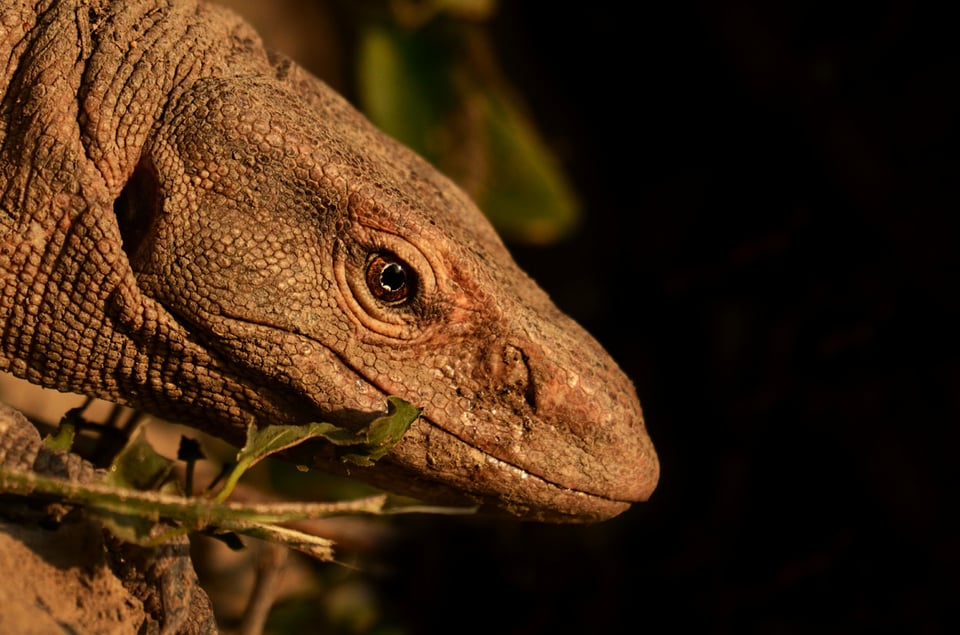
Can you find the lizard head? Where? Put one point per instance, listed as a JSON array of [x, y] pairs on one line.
[[311, 266]]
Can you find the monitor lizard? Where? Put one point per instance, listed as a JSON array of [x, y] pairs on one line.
[[196, 227]]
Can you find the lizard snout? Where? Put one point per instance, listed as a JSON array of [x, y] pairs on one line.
[[588, 411], [565, 413]]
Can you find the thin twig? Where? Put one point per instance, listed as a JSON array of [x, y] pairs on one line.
[[270, 568]]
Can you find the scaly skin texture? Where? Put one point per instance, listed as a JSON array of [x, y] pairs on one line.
[[198, 228]]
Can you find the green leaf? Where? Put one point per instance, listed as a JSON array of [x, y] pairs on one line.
[[62, 439], [138, 466], [384, 432], [366, 445], [134, 528], [71, 422], [262, 442]]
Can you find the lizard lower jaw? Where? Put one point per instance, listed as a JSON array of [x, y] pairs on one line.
[[566, 505], [449, 470]]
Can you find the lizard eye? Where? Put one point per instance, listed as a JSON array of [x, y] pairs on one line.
[[386, 283], [390, 279]]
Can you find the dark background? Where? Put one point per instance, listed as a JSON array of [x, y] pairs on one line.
[[768, 249], [770, 252]]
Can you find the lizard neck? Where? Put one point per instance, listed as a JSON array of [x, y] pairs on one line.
[[84, 90]]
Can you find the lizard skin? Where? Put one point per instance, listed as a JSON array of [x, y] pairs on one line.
[[198, 228]]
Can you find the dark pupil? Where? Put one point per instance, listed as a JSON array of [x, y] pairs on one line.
[[393, 277], [390, 279]]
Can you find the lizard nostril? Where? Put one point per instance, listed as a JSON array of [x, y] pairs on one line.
[[515, 375]]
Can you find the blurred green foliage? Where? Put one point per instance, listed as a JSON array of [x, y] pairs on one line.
[[427, 75]]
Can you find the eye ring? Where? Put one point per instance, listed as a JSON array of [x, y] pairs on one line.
[[390, 279], [358, 266]]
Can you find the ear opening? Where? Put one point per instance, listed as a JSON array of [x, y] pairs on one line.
[[136, 207]]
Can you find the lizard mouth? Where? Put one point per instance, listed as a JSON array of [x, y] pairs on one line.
[[451, 469], [436, 464]]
